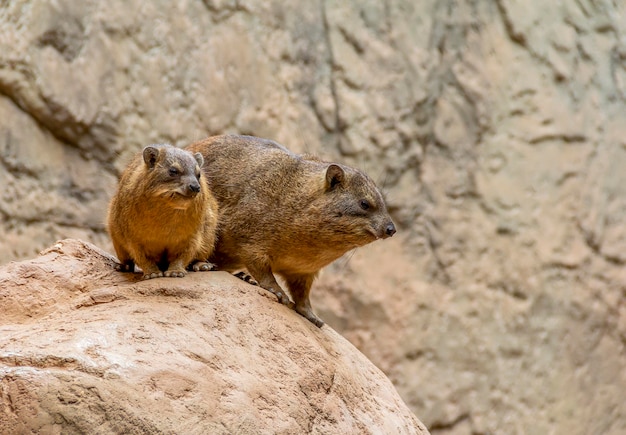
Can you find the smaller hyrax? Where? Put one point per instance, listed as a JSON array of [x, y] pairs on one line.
[[163, 216], [287, 214]]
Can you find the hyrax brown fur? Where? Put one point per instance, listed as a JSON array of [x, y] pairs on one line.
[[287, 214], [163, 216]]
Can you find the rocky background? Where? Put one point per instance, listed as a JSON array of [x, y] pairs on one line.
[[497, 129]]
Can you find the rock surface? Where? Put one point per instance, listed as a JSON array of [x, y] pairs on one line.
[[496, 127], [85, 349]]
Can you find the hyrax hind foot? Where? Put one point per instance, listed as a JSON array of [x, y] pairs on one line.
[[125, 267]]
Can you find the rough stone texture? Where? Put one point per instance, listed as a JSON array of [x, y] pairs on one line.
[[497, 128], [86, 349]]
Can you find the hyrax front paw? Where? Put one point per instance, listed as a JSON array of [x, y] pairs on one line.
[[282, 297], [203, 266], [151, 275], [174, 273]]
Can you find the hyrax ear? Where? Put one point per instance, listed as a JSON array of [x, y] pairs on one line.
[[150, 156], [334, 176], [199, 159]]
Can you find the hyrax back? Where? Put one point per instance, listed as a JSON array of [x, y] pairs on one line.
[[163, 216], [288, 214]]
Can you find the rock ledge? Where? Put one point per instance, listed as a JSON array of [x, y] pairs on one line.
[[85, 349]]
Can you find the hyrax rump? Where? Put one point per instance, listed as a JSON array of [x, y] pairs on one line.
[[163, 216], [287, 214]]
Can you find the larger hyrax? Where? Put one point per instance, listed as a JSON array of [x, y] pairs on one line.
[[287, 214], [163, 216]]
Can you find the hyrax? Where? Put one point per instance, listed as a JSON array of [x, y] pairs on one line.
[[163, 216], [287, 214]]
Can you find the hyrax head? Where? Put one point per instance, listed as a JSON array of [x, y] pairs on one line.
[[173, 172], [356, 205]]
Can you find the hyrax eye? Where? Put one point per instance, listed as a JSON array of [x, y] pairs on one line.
[[174, 172], [365, 205]]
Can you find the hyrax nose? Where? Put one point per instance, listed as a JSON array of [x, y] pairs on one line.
[[390, 230], [194, 187]]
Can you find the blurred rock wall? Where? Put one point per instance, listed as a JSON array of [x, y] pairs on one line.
[[497, 128]]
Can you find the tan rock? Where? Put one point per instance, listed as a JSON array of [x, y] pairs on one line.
[[86, 349]]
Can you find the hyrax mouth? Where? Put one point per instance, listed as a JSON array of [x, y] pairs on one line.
[[186, 192], [183, 195]]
